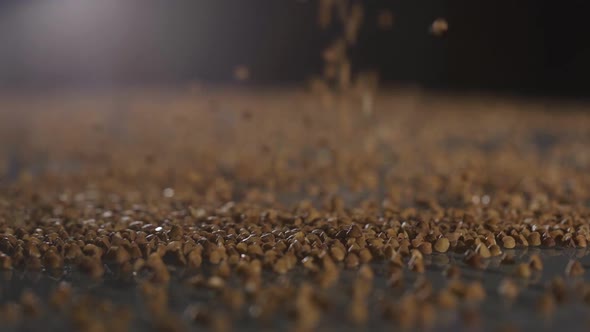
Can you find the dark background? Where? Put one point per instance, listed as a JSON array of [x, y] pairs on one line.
[[515, 47]]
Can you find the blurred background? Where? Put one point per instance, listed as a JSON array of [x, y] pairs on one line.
[[504, 46]]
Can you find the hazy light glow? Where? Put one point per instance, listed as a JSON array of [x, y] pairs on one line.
[[86, 37]]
